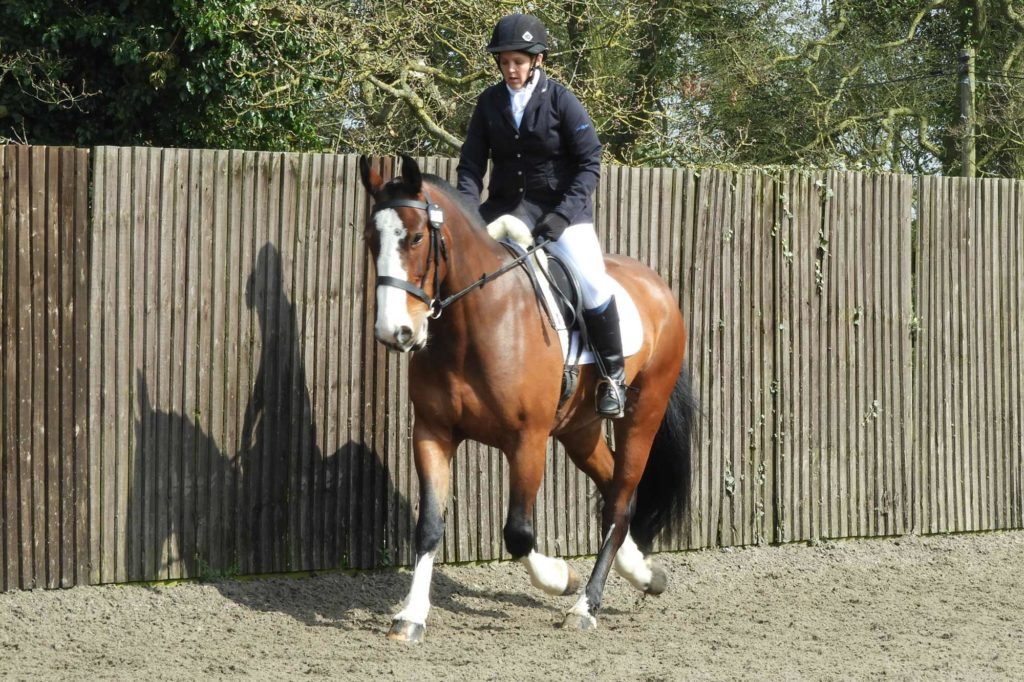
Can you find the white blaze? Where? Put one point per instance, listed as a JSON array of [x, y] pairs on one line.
[[392, 310]]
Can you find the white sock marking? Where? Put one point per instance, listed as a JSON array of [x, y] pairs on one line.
[[631, 564], [547, 573], [417, 603]]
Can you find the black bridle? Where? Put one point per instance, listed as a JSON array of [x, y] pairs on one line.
[[438, 250]]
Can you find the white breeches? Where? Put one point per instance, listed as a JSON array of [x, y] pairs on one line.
[[579, 246]]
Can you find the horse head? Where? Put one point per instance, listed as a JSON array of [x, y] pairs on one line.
[[404, 235]]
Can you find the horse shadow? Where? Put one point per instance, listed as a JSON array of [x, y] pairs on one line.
[[201, 509]]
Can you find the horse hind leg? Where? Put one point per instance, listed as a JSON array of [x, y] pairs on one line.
[[617, 479], [638, 570]]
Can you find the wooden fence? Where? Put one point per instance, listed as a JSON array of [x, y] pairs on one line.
[[191, 385]]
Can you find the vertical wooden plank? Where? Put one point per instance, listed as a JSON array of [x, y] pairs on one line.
[[730, 330], [832, 263], [23, 375], [150, 203], [1016, 275], [218, 442], [107, 416], [329, 325], [9, 524], [35, 399], [950, 501], [94, 383], [163, 236], [46, 202], [317, 226], [876, 353], [209, 419], [136, 451], [997, 364], [246, 172], [121, 335], [192, 551], [293, 378], [925, 425], [230, 214], [308, 310], [274, 517], [80, 246], [66, 340], [904, 419], [182, 549]]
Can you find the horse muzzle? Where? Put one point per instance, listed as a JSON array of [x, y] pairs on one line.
[[402, 338]]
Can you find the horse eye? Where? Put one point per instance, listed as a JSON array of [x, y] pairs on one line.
[[417, 239]]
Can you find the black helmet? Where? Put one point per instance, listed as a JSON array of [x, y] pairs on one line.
[[519, 33]]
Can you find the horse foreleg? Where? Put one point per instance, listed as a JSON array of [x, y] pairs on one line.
[[433, 459], [526, 467]]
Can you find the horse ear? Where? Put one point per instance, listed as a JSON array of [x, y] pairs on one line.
[[411, 172], [372, 180]]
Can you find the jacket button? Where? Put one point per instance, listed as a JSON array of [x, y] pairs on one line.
[[517, 137], [519, 172]]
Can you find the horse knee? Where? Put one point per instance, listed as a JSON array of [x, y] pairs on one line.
[[519, 537]]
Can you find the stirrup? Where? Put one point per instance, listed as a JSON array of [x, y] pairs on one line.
[[609, 391]]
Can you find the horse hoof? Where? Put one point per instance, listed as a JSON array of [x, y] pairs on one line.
[[404, 631], [573, 584], [575, 621], [659, 581]]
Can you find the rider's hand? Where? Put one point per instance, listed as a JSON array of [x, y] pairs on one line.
[[551, 226]]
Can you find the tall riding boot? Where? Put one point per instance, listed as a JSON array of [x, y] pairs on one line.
[[606, 342]]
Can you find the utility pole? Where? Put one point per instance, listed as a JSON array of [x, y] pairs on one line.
[[968, 155]]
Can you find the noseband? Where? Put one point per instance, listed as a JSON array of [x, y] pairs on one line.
[[436, 251]]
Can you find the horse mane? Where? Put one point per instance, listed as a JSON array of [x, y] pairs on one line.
[[399, 186], [472, 213]]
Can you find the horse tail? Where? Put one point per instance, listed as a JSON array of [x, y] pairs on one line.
[[663, 493]]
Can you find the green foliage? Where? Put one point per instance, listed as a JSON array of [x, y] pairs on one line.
[[867, 84]]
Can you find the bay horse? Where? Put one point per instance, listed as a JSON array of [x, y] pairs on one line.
[[487, 366]]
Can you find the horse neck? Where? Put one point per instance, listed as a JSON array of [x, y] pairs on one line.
[[472, 253]]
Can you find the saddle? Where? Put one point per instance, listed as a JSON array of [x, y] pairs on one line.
[[564, 308]]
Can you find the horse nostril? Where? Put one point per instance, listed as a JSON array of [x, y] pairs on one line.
[[404, 335]]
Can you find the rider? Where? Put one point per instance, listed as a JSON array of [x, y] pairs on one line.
[[546, 162]]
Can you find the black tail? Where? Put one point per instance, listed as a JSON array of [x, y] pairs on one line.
[[664, 490]]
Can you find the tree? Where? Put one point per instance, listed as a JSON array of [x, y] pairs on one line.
[[830, 83]]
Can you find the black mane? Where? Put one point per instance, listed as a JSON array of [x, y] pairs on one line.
[[471, 212], [398, 187]]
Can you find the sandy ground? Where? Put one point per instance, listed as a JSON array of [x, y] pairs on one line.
[[913, 608]]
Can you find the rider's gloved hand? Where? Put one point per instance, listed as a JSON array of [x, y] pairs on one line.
[[550, 226]]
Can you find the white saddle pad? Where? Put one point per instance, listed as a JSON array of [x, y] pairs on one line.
[[629, 324], [512, 229]]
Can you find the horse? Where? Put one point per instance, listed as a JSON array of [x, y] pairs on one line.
[[486, 365]]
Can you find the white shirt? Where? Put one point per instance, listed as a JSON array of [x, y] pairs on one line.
[[520, 98]]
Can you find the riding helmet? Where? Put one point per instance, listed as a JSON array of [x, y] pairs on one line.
[[519, 33]]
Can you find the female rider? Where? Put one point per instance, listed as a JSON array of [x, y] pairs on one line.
[[546, 162]]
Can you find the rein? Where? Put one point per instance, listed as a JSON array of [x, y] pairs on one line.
[[436, 251]]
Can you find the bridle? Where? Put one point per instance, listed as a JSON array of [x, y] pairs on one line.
[[436, 251]]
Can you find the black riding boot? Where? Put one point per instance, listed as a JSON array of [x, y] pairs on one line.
[[606, 342]]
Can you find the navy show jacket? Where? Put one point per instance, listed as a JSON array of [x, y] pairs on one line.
[[551, 162]]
